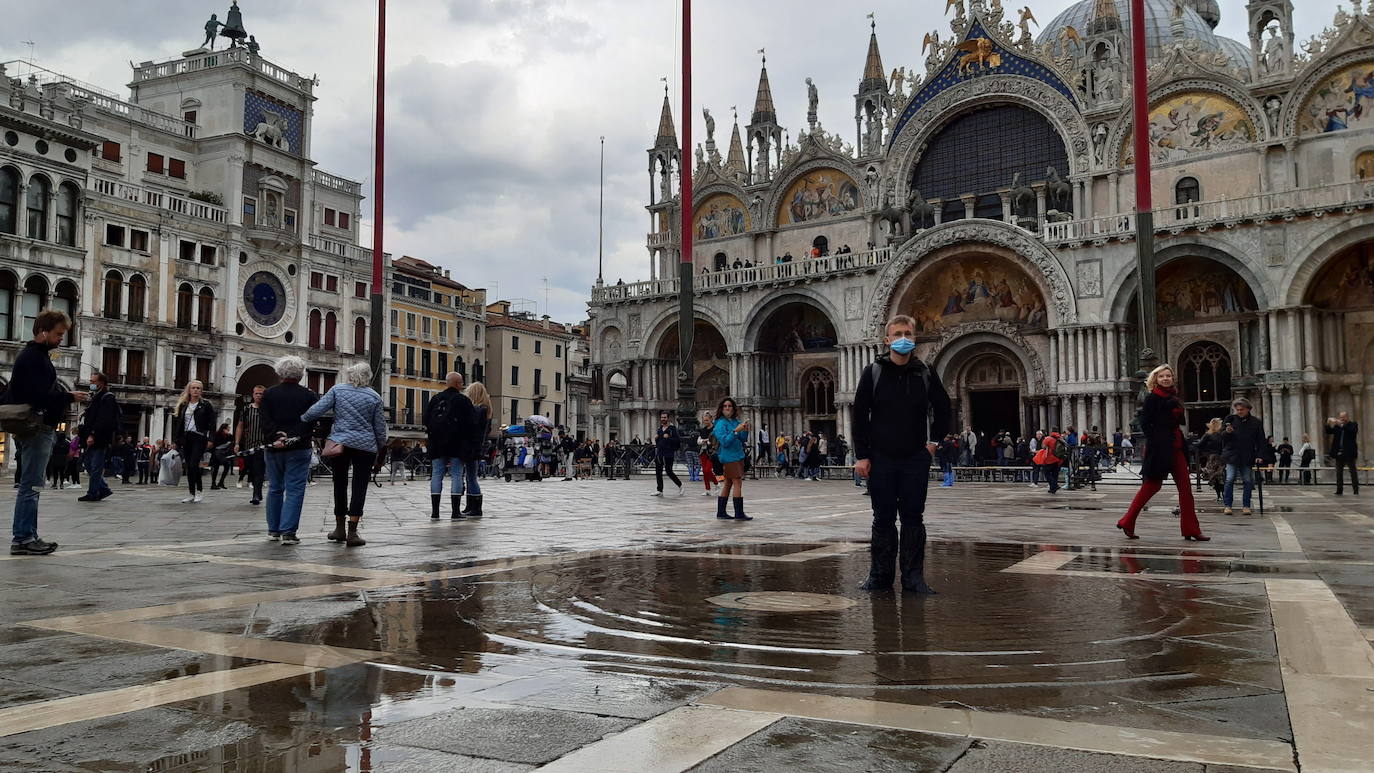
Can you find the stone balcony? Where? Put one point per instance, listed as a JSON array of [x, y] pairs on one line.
[[660, 239], [229, 57], [1315, 201], [798, 271], [163, 200], [335, 182]]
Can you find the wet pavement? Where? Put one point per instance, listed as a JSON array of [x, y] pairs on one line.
[[588, 626]]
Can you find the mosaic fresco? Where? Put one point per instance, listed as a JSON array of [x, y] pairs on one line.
[[797, 327], [1198, 288], [1192, 123], [822, 194], [1342, 101], [720, 215], [1347, 282], [973, 289]]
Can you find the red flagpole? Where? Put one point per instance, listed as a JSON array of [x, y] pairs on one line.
[[375, 340], [1144, 194], [686, 319]]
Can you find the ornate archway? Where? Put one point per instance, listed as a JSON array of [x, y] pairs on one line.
[[1204, 380], [988, 388]]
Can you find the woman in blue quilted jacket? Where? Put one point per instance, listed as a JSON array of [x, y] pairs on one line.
[[360, 428]]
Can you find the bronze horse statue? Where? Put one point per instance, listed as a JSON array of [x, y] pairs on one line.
[[922, 212], [1058, 193]]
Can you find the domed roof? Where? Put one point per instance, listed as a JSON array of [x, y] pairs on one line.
[[1238, 52], [1208, 10], [1158, 24]]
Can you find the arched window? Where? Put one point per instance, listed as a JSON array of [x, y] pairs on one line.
[[316, 322], [8, 286], [9, 200], [477, 372], [66, 214], [1187, 191], [818, 392], [359, 336], [331, 331], [138, 297], [720, 262], [64, 300], [35, 300], [460, 366], [1206, 373], [184, 301], [205, 319], [114, 295], [36, 202]]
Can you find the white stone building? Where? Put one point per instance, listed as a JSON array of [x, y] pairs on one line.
[[186, 229], [995, 185]]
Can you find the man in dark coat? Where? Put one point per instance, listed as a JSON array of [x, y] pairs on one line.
[[1345, 449], [448, 424], [666, 444], [1243, 446], [900, 408], [102, 419]]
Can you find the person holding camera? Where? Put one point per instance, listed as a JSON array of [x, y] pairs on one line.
[[1243, 446], [1345, 449]]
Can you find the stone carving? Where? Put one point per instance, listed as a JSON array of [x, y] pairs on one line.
[[636, 327], [1273, 110], [997, 328], [710, 126], [812, 101], [1100, 133], [894, 84], [853, 303], [872, 185], [271, 130], [1106, 81], [1026, 18], [1274, 59], [987, 232], [1089, 278]]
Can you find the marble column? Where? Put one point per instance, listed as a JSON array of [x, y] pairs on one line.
[[1310, 357], [1054, 354]]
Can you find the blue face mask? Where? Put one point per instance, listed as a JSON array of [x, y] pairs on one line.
[[903, 346]]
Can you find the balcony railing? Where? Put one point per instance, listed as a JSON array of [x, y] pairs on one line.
[[1203, 214], [799, 270], [159, 199], [342, 249], [660, 239], [343, 184], [223, 58], [131, 112]]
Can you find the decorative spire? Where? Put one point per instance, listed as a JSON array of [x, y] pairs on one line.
[[875, 79], [1105, 19], [763, 102], [734, 159], [667, 133]]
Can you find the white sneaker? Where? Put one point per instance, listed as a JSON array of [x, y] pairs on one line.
[[198, 499], [73, 485], [706, 493], [187, 500], [657, 494], [681, 489], [239, 484]]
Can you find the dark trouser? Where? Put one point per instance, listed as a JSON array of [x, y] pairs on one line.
[[256, 466], [95, 467], [1052, 476], [360, 463], [142, 471], [1305, 477], [192, 449], [664, 464], [1285, 470], [1341, 463], [897, 489]]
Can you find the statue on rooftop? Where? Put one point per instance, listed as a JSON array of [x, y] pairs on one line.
[[211, 31], [253, 47], [233, 25]]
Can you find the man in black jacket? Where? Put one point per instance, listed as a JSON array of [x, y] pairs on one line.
[[448, 423], [34, 382], [666, 443], [288, 456], [101, 421], [1243, 446], [1345, 449], [899, 407]]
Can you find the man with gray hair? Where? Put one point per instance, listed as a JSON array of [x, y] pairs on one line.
[[448, 422], [288, 456], [1242, 447]]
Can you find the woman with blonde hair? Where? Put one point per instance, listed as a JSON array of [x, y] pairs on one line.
[[1209, 456], [1161, 415], [481, 409], [192, 426]]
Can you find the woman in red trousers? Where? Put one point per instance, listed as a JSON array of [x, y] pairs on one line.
[[1161, 415]]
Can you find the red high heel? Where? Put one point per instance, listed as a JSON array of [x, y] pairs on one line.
[[1129, 534], [1196, 538]]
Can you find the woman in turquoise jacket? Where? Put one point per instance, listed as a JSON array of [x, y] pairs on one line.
[[731, 434]]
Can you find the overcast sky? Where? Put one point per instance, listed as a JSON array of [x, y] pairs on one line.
[[494, 107]]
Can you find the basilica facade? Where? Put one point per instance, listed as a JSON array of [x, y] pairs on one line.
[[990, 195]]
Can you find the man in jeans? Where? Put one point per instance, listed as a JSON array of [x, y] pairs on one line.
[[666, 442], [34, 382], [899, 406], [288, 456], [1345, 450], [448, 421], [1242, 446], [102, 418]]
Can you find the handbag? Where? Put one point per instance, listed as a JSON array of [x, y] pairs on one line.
[[20, 419], [331, 449]]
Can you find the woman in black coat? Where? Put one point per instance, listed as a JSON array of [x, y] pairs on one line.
[[192, 429], [1161, 415]]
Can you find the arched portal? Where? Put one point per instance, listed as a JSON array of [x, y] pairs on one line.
[[261, 374], [988, 384], [1204, 379], [708, 354], [1346, 282], [817, 389], [712, 387]]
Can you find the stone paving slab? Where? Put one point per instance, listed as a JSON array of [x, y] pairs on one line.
[[517, 734]]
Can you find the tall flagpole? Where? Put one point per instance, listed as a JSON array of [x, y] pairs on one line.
[[686, 317], [601, 215], [1144, 194], [375, 340]]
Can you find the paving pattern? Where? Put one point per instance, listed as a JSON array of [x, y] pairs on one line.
[[586, 626]]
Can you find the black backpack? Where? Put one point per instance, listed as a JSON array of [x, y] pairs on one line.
[[444, 421]]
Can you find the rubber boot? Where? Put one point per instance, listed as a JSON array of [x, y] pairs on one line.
[[912, 558], [456, 501], [474, 506], [720, 508], [338, 534], [467, 508], [434, 500], [354, 539], [739, 510], [882, 557]]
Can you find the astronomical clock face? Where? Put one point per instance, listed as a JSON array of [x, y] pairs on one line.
[[267, 303]]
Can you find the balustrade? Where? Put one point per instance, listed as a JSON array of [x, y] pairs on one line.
[[170, 202]]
